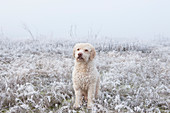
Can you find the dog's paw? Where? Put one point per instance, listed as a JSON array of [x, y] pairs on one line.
[[89, 106], [76, 106]]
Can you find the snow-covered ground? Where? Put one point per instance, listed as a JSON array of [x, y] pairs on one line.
[[35, 76]]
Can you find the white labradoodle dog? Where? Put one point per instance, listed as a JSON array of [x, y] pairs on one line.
[[85, 75]]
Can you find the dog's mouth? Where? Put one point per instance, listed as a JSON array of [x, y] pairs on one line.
[[80, 58]]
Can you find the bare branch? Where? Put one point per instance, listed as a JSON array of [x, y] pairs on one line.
[[28, 30]]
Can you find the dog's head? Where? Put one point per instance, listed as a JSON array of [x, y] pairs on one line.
[[84, 52]]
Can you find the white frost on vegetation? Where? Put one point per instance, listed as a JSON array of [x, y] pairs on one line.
[[35, 76]]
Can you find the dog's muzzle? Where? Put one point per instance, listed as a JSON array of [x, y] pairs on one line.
[[80, 56]]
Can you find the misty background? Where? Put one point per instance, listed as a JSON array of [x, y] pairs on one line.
[[141, 19]]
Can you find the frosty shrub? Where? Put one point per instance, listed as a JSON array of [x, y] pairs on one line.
[[35, 76]]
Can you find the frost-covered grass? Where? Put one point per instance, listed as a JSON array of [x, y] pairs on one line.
[[35, 76]]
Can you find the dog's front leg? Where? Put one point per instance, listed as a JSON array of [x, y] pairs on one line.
[[91, 94], [78, 100]]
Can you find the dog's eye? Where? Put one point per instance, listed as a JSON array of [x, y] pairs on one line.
[[78, 49], [86, 50]]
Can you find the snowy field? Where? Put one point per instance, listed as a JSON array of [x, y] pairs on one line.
[[35, 76]]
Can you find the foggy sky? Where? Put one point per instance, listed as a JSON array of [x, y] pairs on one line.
[[112, 18]]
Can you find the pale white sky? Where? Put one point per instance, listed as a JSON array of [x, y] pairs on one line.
[[113, 18]]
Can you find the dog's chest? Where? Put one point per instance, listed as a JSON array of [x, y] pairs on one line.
[[83, 80]]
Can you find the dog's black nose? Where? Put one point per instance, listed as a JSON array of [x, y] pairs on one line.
[[80, 54]]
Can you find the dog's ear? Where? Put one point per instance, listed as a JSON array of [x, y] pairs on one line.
[[92, 53], [74, 50]]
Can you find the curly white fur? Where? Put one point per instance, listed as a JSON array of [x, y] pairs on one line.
[[85, 75]]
